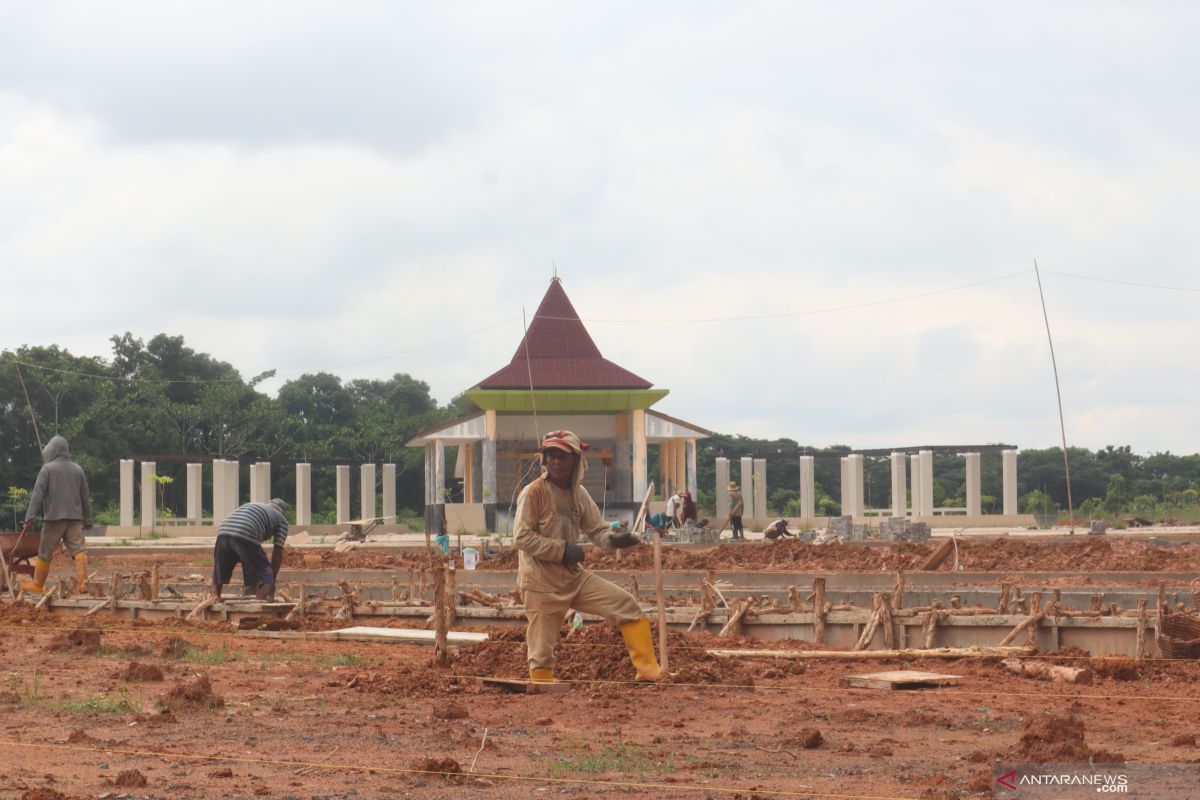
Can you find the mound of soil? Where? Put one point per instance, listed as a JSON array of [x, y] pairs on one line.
[[131, 778], [805, 738], [197, 694], [405, 681], [1049, 739], [597, 653], [1184, 740], [445, 767], [449, 710], [82, 641], [175, 647], [43, 794], [138, 672], [80, 736], [1118, 668], [265, 622]]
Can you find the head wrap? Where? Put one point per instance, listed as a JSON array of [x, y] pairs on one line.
[[564, 440]]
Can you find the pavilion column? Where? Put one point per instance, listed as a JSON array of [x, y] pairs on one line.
[[681, 465], [233, 485], [664, 468], [195, 487], [389, 493], [856, 481], [918, 505], [467, 453], [255, 492], [127, 492], [622, 479], [690, 463], [488, 468], [342, 497], [927, 483], [746, 473], [1008, 465], [304, 494], [974, 505], [366, 491], [638, 435], [760, 487], [808, 487], [722, 488], [148, 500], [899, 485], [260, 482]]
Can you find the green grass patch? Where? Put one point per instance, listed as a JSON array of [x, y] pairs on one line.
[[623, 758], [212, 658], [100, 704]]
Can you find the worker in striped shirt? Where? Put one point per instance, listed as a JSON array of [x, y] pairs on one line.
[[240, 540]]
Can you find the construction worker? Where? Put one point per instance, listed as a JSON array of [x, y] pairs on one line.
[[687, 511], [777, 530], [60, 495], [736, 506], [552, 513], [240, 540]]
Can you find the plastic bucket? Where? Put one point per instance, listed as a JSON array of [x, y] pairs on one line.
[[470, 557]]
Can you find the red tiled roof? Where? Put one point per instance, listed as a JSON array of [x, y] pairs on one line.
[[562, 354]]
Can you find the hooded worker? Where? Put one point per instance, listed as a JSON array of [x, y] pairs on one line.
[[60, 496], [552, 513]]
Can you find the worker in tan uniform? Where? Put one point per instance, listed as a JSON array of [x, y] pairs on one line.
[[552, 513]]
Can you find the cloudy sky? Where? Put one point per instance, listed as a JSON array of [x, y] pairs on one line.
[[813, 220]]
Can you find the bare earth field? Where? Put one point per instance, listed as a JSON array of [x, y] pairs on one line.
[[112, 707]]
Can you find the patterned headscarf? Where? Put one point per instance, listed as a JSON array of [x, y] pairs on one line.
[[564, 440]]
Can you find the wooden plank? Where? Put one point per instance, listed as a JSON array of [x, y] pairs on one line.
[[525, 686], [849, 655], [900, 679], [366, 633]]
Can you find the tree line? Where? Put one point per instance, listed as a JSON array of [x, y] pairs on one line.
[[161, 400]]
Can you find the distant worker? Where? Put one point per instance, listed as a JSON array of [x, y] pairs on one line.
[[736, 506], [658, 521], [777, 530], [687, 512], [240, 540], [674, 505], [60, 496], [552, 513]]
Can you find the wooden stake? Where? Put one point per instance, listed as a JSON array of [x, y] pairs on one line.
[[410, 582], [1140, 642], [451, 609], [885, 622], [1030, 623], [103, 604], [395, 588], [1002, 606], [664, 658], [819, 610], [633, 586], [154, 580], [938, 556], [301, 608], [441, 653], [898, 592], [114, 588], [868, 633], [929, 625], [198, 611]]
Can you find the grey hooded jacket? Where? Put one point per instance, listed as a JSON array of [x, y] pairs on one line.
[[61, 490]]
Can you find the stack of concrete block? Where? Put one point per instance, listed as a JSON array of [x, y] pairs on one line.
[[1098, 528], [841, 526], [900, 529]]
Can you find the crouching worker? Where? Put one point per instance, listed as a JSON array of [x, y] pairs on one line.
[[551, 514], [240, 540], [778, 530]]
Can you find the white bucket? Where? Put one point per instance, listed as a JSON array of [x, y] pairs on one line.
[[470, 557]]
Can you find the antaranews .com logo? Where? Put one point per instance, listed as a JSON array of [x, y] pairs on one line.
[[1068, 781]]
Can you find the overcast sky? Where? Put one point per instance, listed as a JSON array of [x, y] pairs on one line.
[[302, 186]]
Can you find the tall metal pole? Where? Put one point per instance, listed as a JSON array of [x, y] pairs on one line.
[[1061, 423]]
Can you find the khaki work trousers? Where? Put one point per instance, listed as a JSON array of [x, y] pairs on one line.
[[67, 531], [591, 595]]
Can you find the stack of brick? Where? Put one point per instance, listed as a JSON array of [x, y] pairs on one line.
[[900, 529]]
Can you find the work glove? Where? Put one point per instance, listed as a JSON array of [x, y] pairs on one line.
[[572, 554], [623, 540]]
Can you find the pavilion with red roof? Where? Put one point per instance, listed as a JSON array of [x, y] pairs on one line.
[[557, 378]]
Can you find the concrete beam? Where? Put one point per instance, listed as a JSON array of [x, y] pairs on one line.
[[973, 484], [195, 486], [899, 485], [721, 469], [1008, 466], [746, 473], [149, 501], [808, 487]]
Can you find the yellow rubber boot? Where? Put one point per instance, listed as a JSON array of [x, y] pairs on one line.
[[41, 570], [640, 644], [541, 675], [81, 572]]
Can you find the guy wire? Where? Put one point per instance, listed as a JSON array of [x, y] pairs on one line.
[[1061, 423]]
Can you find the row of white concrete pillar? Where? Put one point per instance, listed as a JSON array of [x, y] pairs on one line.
[[226, 492], [754, 484]]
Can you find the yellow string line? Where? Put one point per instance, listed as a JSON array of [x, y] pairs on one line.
[[679, 787]]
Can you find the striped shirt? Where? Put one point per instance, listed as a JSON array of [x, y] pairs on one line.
[[256, 522]]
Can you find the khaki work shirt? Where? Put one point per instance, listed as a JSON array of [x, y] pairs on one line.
[[547, 517]]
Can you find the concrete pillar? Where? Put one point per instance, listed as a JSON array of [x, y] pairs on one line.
[[342, 497], [689, 455], [927, 483], [681, 465], [195, 487], [665, 468], [261, 479], [255, 491], [218, 491], [466, 457], [233, 486], [846, 494], [974, 506], [760, 486], [808, 487], [127, 492], [439, 472], [746, 481], [1008, 469], [149, 486], [855, 466], [899, 485], [488, 468], [304, 494], [721, 469], [918, 505], [366, 491], [389, 493], [637, 435]]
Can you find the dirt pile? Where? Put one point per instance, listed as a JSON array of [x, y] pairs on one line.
[[43, 794], [138, 672], [1050, 739], [197, 695], [83, 641], [445, 767], [597, 653], [175, 647], [131, 778], [405, 681], [311, 558]]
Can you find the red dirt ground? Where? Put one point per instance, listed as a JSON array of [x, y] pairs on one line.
[[379, 721]]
